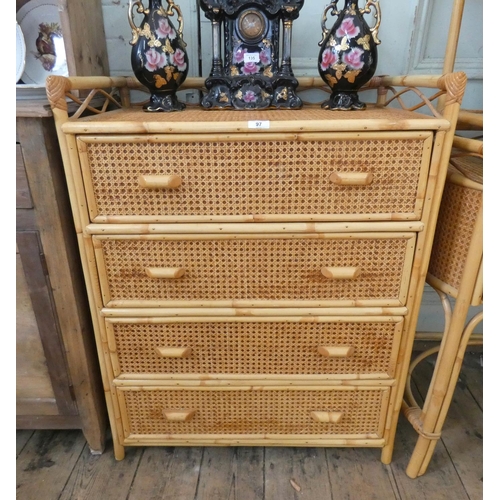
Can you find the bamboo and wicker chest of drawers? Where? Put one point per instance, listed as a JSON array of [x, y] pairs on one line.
[[255, 276]]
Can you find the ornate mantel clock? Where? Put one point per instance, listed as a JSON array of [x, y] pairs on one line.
[[251, 72]]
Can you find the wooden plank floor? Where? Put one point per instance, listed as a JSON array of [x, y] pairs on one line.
[[58, 464]]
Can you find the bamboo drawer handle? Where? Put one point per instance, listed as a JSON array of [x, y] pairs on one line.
[[326, 417], [179, 415], [340, 273], [165, 272], [338, 351], [160, 181], [352, 178], [174, 352]]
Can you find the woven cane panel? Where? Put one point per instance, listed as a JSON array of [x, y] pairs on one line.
[[453, 238], [470, 167], [255, 177], [267, 269], [254, 412], [255, 348]]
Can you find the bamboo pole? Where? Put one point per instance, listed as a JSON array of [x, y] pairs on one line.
[[169, 380], [437, 177], [359, 441], [465, 342], [453, 36], [443, 381], [292, 314], [273, 229]]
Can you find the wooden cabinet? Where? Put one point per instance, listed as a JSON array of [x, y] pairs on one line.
[[255, 277], [58, 385], [57, 380]]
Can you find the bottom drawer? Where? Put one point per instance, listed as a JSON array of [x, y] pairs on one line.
[[246, 413]]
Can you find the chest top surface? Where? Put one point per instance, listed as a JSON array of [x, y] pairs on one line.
[[195, 120]]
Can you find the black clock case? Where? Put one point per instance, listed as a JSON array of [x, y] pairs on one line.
[[252, 72]]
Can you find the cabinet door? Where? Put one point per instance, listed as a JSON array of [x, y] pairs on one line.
[[43, 389]]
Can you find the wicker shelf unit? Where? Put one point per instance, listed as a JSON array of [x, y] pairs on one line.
[[249, 285]]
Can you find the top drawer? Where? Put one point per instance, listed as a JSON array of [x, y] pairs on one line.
[[258, 177]]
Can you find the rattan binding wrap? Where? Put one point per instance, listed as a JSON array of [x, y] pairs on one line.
[[233, 411], [278, 348], [256, 177], [266, 269], [457, 217]]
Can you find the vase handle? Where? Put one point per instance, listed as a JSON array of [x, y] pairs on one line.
[[135, 29], [378, 17], [335, 12], [171, 7]]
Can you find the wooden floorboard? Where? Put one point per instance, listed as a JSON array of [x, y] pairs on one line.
[[357, 473], [166, 473], [58, 465], [46, 462], [22, 438], [296, 473]]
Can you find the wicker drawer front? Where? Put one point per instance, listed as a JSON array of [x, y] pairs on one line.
[[285, 411], [160, 270], [237, 179], [344, 347]]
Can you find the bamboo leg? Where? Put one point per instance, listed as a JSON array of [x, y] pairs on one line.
[[451, 388], [387, 451], [119, 450], [430, 420]]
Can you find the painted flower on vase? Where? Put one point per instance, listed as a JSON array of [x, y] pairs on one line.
[[329, 58], [250, 68], [265, 57], [155, 60], [250, 96], [177, 59], [164, 29], [239, 55], [353, 58], [347, 28]]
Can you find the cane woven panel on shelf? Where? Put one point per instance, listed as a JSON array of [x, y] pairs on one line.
[[459, 211], [235, 177], [256, 286], [250, 347]]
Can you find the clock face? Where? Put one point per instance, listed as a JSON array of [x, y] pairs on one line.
[[252, 26]]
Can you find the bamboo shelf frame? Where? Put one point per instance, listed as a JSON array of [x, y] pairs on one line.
[[87, 121], [461, 279]]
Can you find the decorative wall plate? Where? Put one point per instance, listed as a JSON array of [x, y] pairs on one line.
[[20, 52], [45, 53]]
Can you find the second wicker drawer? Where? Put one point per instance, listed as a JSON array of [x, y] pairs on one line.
[[259, 270], [325, 347]]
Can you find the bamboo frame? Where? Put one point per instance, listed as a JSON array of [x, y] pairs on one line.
[[380, 120], [429, 420]]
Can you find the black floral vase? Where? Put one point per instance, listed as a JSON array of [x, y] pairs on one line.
[[348, 56], [159, 59]]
